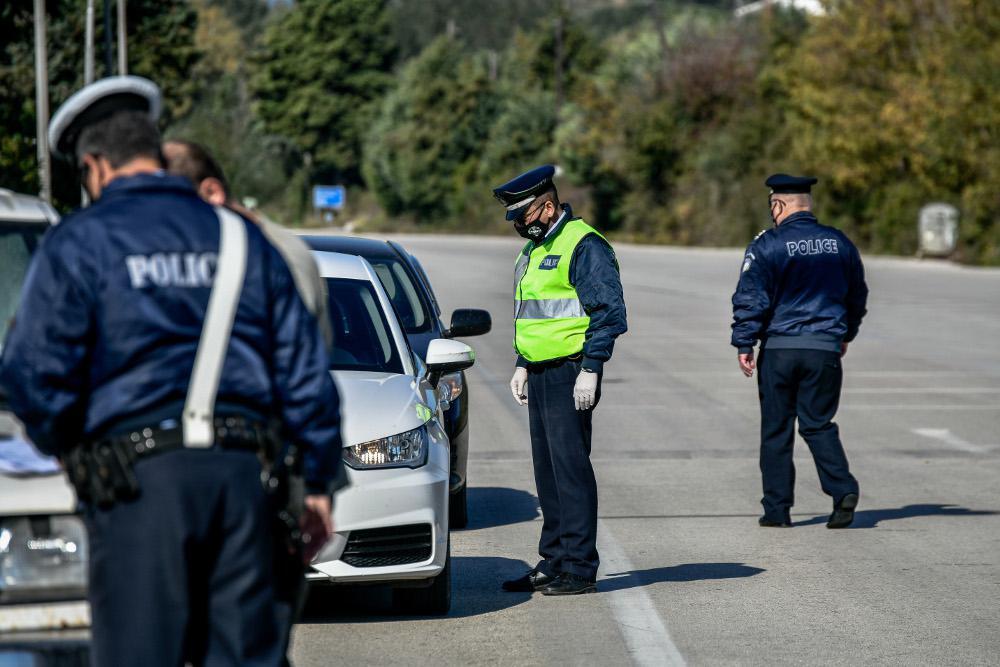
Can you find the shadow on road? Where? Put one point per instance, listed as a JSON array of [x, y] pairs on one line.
[[871, 518], [475, 590], [492, 506], [617, 581]]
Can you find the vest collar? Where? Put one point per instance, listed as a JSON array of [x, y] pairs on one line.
[[567, 214]]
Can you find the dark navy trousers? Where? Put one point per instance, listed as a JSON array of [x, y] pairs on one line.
[[184, 572], [803, 384], [564, 476]]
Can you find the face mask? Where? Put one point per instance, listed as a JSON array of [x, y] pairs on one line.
[[533, 232]]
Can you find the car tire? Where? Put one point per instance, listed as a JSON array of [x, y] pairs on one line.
[[433, 600], [458, 508]]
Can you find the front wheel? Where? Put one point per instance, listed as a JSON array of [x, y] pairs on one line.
[[433, 600]]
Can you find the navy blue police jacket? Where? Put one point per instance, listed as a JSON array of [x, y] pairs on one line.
[[802, 286], [111, 315], [593, 271]]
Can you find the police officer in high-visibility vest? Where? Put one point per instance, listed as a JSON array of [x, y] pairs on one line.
[[802, 295], [568, 311]]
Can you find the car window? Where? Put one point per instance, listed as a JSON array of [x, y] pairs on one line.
[[362, 339], [413, 315], [17, 243], [427, 283]]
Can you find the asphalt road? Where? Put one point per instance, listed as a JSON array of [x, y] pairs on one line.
[[687, 576]]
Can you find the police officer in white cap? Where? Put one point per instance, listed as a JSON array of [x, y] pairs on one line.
[[162, 352]]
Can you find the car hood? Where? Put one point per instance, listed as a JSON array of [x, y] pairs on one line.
[[376, 405], [31, 493], [36, 494]]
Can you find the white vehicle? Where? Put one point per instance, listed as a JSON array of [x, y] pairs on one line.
[[392, 521], [43, 544]]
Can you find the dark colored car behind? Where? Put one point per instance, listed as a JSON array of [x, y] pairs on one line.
[[419, 314]]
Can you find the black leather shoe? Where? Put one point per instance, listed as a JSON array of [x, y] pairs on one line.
[[764, 522], [570, 584], [529, 583], [843, 512]]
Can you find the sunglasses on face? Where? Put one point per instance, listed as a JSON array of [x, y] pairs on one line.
[[522, 219]]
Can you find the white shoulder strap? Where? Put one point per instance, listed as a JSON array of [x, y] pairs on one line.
[[199, 408]]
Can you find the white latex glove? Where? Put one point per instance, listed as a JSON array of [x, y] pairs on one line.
[[585, 390], [519, 386]]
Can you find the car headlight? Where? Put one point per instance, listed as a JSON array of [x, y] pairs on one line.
[[404, 450], [42, 558], [450, 386]]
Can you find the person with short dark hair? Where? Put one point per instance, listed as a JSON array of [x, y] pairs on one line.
[[161, 351], [194, 162], [802, 295], [569, 310]]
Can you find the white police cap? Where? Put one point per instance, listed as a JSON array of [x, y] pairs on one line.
[[96, 102]]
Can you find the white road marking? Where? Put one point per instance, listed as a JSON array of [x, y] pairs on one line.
[[645, 634], [950, 439]]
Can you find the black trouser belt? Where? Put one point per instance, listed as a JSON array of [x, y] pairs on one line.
[[551, 363]]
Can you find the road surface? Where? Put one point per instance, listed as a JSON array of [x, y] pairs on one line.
[[687, 576]]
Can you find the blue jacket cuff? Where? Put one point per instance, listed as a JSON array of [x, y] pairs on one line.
[[521, 362], [316, 488], [745, 350], [592, 364]]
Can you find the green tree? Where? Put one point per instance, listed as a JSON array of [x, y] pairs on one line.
[[897, 104], [424, 148], [474, 23], [256, 164], [161, 47], [322, 67]]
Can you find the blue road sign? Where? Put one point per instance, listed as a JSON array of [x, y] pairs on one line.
[[329, 196]]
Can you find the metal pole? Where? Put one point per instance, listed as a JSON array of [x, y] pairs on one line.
[[122, 45], [88, 45], [108, 62], [42, 104]]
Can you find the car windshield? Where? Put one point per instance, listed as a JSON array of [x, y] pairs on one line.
[[17, 243], [362, 339], [402, 291]]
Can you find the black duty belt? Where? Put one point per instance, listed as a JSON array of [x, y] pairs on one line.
[[230, 433], [102, 472]]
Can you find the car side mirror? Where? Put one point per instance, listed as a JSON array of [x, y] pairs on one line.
[[447, 356], [469, 322]]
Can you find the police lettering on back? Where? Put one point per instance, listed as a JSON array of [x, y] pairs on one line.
[[172, 269], [812, 247]]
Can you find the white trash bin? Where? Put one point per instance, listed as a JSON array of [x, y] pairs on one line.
[[937, 228]]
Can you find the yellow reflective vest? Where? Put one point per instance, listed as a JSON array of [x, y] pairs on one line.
[[549, 320]]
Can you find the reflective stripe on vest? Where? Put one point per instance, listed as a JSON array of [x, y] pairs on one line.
[[548, 309], [549, 320]]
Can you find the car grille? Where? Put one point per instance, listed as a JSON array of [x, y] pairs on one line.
[[381, 547]]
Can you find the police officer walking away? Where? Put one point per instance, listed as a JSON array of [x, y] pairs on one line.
[[162, 352], [802, 294], [568, 311]]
